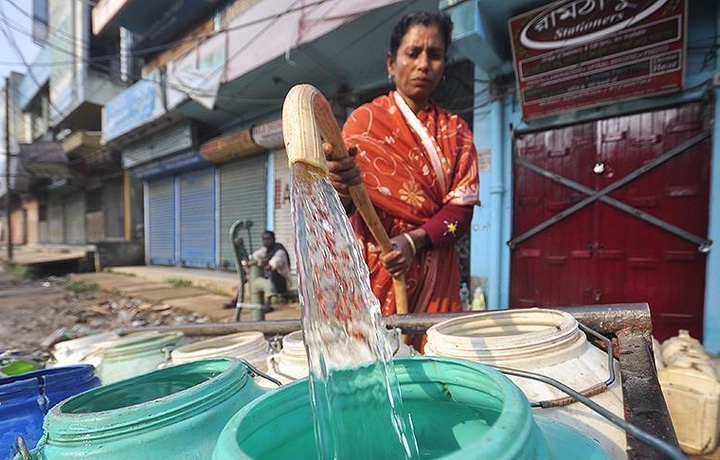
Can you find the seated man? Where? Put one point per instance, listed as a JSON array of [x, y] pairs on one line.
[[274, 263]]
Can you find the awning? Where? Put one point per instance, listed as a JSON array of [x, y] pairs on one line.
[[82, 143]]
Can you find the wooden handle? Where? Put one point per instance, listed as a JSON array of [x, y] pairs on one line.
[[308, 120]]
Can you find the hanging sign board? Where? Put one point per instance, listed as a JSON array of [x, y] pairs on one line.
[[575, 54], [229, 147]]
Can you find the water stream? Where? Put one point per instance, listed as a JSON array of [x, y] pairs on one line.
[[355, 395]]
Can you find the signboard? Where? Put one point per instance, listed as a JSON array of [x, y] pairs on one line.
[[183, 161], [134, 107], [268, 135], [228, 147], [576, 54], [170, 140]]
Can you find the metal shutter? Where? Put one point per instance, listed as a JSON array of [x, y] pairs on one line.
[[243, 193], [94, 226], [160, 217], [196, 216], [75, 218], [55, 219], [282, 216]]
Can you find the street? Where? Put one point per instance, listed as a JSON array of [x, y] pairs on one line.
[[34, 314]]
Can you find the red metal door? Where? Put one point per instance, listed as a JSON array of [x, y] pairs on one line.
[[615, 211]]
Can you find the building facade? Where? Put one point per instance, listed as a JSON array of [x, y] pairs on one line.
[[600, 180], [72, 190], [593, 121]]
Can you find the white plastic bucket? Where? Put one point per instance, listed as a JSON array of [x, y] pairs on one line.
[[250, 346], [82, 350], [291, 362], [547, 342]]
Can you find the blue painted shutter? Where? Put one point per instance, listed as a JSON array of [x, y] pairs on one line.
[[160, 231], [196, 208]]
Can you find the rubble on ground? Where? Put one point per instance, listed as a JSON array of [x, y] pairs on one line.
[[72, 315]]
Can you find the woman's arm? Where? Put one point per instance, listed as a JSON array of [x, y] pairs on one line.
[[448, 225]]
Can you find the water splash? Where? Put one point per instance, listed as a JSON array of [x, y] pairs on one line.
[[357, 407]]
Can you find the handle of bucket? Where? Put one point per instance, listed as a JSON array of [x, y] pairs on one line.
[[307, 119], [22, 449], [166, 351], [271, 361], [255, 372]]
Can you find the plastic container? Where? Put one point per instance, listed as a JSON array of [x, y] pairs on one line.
[[291, 363], [82, 350], [692, 394], [478, 302], [175, 413], [26, 398], [679, 346], [465, 296], [250, 346], [459, 410], [136, 356], [548, 342]]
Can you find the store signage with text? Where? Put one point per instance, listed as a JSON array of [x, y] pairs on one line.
[[577, 54]]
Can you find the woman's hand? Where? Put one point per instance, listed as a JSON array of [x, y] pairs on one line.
[[344, 172], [398, 260]]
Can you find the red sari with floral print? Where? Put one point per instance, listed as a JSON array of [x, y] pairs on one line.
[[415, 183]]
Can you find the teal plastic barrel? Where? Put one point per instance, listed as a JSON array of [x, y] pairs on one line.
[[137, 355], [173, 413], [460, 410]]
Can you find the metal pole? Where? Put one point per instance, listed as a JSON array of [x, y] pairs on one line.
[[8, 204]]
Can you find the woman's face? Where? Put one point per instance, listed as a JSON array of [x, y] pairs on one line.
[[418, 67]]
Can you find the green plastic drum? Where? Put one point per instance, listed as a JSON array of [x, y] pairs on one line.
[[173, 413], [460, 410]]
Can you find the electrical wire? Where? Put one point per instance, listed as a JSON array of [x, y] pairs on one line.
[[647, 438]]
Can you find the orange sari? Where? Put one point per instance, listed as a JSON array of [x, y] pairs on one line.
[[409, 181]]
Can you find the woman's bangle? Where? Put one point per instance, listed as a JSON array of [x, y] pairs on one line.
[[343, 195], [411, 242]]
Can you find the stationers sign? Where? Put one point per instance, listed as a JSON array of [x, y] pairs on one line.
[[575, 54]]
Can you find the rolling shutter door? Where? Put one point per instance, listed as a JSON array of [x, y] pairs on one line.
[[161, 221], [55, 219], [196, 208], [75, 218], [243, 195], [282, 215]]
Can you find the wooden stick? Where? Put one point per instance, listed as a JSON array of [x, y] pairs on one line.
[[308, 120]]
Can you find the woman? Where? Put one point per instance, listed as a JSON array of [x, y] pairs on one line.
[[419, 166]]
